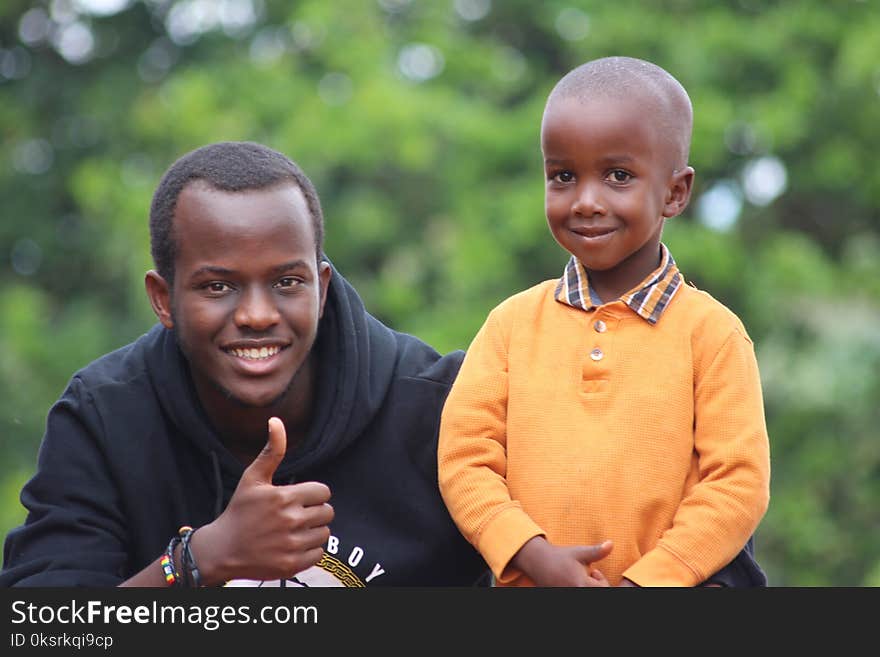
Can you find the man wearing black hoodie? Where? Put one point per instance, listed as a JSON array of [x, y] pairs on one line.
[[258, 336]]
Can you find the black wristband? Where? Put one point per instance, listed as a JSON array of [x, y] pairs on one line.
[[187, 560]]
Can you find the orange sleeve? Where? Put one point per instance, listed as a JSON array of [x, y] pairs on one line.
[[472, 453], [722, 510]]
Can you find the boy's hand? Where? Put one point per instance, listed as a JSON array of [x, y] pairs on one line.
[[551, 565], [597, 578], [266, 531]]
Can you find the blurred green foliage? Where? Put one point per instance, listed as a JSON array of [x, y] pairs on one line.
[[418, 122]]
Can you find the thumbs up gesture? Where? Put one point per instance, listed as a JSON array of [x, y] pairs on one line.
[[266, 531]]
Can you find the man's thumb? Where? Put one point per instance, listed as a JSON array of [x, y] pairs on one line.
[[263, 467], [588, 554]]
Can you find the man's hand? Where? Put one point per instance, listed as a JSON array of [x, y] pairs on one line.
[[551, 565], [266, 531]]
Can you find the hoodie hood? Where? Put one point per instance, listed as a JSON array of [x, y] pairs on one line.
[[356, 356]]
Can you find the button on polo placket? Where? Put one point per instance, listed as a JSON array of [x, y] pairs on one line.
[[596, 362], [599, 326]]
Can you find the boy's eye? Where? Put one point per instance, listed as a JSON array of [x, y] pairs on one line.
[[217, 287], [619, 176], [564, 176]]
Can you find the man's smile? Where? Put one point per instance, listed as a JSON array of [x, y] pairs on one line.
[[254, 353], [257, 358]]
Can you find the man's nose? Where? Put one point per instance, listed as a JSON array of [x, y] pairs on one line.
[[257, 309]]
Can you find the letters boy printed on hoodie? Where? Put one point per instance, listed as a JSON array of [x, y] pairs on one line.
[[334, 569]]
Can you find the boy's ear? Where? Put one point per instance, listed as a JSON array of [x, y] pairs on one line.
[[160, 297], [679, 193]]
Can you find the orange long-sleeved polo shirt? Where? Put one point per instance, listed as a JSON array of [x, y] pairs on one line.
[[585, 426]]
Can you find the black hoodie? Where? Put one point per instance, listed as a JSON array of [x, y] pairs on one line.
[[129, 456]]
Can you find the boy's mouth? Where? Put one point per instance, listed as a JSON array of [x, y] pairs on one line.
[[592, 232]]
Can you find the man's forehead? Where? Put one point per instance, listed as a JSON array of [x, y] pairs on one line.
[[202, 207], [203, 185]]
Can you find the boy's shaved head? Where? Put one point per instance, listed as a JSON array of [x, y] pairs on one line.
[[666, 101]]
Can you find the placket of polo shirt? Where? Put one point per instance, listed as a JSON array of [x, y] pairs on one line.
[[597, 359]]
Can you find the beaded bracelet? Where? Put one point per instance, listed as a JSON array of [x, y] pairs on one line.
[[172, 577], [168, 569]]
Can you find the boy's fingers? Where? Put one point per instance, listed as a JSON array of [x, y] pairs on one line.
[[587, 554]]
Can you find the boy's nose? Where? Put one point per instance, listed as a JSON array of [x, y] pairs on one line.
[[588, 202], [257, 310]]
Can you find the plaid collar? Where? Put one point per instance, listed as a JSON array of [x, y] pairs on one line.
[[648, 299]]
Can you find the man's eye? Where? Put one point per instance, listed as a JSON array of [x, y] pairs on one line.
[[217, 287], [287, 281]]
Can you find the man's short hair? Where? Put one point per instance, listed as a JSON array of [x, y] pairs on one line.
[[230, 166]]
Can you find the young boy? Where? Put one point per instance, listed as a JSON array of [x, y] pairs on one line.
[[616, 402]]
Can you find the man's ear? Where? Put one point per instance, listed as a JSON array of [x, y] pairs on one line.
[[679, 193], [160, 297], [324, 274]]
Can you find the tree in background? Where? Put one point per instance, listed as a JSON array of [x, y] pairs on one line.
[[418, 122]]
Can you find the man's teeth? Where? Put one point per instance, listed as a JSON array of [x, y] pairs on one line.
[[256, 354]]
